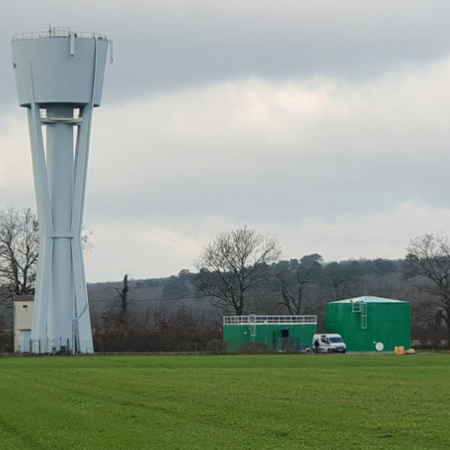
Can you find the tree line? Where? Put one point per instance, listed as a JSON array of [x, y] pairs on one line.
[[242, 271], [239, 272]]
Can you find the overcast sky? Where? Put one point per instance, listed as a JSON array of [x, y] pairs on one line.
[[325, 123]]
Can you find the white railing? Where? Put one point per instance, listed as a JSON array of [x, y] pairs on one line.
[[266, 320], [58, 32]]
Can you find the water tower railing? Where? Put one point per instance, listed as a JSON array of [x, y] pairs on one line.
[[268, 320], [58, 32]]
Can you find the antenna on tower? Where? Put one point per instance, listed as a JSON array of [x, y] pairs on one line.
[[111, 51]]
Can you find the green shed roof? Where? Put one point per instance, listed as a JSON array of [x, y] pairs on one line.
[[369, 299]]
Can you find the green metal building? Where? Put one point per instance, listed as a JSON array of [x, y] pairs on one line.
[[280, 333], [369, 324]]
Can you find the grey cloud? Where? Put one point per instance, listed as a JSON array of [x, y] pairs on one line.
[[279, 40], [166, 46], [260, 153]]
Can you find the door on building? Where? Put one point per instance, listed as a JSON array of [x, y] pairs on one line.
[[285, 340], [25, 336]]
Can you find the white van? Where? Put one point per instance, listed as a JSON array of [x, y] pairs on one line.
[[328, 343]]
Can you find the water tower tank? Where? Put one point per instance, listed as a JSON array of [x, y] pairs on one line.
[[364, 322]]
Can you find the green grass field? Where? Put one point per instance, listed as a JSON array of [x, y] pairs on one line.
[[225, 402]]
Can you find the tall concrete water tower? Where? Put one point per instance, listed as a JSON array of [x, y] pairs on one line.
[[59, 76]]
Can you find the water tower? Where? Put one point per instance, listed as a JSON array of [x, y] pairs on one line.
[[59, 76]]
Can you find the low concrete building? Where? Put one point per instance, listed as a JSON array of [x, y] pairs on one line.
[[23, 318]]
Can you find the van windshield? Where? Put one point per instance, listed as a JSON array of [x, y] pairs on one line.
[[335, 340]]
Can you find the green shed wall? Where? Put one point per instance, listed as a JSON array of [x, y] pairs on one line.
[[236, 336], [388, 323]]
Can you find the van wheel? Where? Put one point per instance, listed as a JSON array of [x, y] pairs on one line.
[[328, 350]]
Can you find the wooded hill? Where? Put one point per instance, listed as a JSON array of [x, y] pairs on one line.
[[292, 287]]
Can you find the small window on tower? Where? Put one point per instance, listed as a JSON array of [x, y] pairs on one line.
[[24, 306]]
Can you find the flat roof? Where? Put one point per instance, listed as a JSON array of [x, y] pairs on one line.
[[369, 299]]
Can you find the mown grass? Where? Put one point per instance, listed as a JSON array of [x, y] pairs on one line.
[[225, 402]]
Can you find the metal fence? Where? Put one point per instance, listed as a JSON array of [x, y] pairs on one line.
[[53, 347], [278, 320]]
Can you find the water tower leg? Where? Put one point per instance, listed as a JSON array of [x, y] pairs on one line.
[[83, 321], [43, 279], [60, 172]]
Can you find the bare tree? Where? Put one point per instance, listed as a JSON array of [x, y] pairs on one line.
[[116, 316], [19, 247], [123, 293], [295, 278], [428, 262], [234, 264], [19, 243]]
